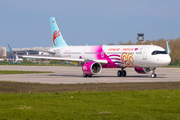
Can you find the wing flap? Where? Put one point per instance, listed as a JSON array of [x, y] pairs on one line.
[[64, 59]]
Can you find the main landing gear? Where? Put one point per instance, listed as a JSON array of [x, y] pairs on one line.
[[121, 73], [85, 75], [153, 75]]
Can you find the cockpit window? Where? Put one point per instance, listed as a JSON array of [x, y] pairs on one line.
[[159, 52]]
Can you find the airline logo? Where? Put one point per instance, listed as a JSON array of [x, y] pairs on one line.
[[127, 49], [55, 35], [84, 68], [136, 49], [113, 49]]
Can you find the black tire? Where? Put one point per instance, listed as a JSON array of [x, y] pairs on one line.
[[89, 75], [153, 75], [119, 73], [85, 75], [124, 73]]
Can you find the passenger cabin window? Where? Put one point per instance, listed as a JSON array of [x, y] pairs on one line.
[[158, 52]]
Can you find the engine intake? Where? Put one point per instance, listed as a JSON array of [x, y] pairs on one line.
[[91, 68], [143, 70]]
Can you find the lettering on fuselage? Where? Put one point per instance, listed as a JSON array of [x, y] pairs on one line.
[[113, 49], [138, 52], [127, 49], [66, 55]]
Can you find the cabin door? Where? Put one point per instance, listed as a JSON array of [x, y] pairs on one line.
[[144, 54]]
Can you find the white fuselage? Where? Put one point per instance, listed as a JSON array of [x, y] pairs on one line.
[[118, 55]]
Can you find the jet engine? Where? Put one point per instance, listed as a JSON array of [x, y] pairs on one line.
[[91, 68], [143, 70]]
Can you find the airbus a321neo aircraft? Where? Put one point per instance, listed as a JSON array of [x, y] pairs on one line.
[[143, 58]]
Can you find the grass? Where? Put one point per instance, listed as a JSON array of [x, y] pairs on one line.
[[19, 101], [21, 72], [173, 66], [125, 105]]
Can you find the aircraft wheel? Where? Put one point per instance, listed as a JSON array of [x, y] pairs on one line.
[[89, 75], [85, 75], [124, 73], [119, 73], [153, 75]]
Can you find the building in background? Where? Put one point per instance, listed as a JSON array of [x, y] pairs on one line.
[[2, 52], [28, 51], [140, 37]]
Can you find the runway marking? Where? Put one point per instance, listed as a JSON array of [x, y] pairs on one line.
[[177, 70]]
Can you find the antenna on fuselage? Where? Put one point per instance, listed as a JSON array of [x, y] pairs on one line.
[[103, 38]]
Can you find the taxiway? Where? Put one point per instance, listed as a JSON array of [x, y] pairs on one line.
[[73, 75]]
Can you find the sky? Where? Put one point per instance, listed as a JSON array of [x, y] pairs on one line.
[[26, 23]]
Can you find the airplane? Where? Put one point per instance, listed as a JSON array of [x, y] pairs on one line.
[[143, 58]]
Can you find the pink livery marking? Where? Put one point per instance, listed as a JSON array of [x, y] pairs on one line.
[[114, 55], [110, 64]]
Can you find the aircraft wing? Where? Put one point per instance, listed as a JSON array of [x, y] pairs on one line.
[[63, 59]]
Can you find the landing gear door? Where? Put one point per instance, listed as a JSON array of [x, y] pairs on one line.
[[144, 54]]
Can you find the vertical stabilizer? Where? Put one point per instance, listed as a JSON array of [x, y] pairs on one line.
[[58, 40]]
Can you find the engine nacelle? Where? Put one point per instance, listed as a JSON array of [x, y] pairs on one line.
[[143, 70], [91, 68]]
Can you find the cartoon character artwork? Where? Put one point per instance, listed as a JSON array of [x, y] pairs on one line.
[[55, 35], [128, 60]]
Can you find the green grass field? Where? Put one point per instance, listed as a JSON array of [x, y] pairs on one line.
[[21, 72], [122, 105]]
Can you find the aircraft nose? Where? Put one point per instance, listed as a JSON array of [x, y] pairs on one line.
[[166, 60], [163, 60]]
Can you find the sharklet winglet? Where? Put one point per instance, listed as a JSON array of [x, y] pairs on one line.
[[168, 49]]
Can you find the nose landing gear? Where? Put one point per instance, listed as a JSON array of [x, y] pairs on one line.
[[153, 75]]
